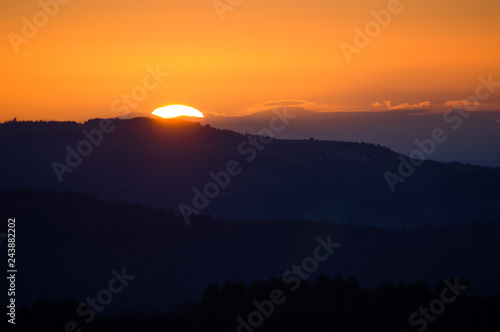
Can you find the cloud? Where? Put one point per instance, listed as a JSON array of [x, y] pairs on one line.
[[285, 103], [306, 104], [386, 104], [460, 103]]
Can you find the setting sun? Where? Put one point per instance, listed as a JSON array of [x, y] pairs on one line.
[[173, 111]]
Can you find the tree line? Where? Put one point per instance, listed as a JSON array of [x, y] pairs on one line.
[[323, 305]]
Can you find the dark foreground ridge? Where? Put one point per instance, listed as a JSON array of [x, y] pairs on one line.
[[321, 305], [69, 244]]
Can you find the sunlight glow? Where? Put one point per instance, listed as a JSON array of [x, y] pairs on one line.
[[173, 111]]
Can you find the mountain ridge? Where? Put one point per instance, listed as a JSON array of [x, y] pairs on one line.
[[164, 161]]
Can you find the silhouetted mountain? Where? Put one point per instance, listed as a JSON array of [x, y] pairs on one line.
[[159, 162]]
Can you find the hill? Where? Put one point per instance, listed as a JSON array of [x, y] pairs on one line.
[[167, 163]]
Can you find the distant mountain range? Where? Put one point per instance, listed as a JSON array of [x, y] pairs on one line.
[[473, 141], [173, 163]]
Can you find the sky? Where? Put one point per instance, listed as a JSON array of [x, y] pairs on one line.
[[76, 60]]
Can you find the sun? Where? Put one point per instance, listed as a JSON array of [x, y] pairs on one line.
[[173, 111]]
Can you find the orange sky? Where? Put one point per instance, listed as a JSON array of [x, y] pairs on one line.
[[91, 52]]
